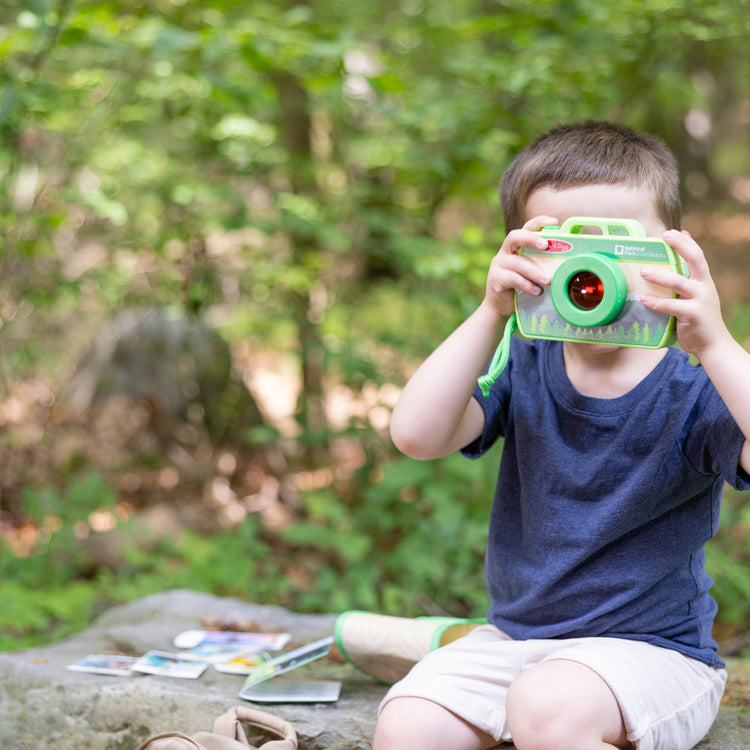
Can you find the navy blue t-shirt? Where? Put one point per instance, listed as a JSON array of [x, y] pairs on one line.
[[603, 506]]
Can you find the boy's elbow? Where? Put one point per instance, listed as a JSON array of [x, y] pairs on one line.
[[401, 439], [407, 445], [409, 440]]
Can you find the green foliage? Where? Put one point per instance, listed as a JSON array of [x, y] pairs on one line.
[[407, 542], [85, 494], [44, 611], [56, 587], [342, 136], [45, 593]]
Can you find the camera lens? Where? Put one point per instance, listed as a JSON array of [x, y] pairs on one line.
[[585, 290], [588, 290]]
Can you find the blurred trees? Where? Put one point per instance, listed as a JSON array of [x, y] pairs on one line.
[[333, 143]]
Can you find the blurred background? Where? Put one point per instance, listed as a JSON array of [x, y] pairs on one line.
[[228, 233]]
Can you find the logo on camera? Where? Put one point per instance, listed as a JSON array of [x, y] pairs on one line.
[[596, 285]]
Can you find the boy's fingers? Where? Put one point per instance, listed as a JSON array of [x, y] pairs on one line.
[[662, 304], [518, 282], [689, 250], [670, 280], [539, 222], [525, 268], [519, 238]]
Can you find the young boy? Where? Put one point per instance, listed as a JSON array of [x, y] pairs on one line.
[[614, 461]]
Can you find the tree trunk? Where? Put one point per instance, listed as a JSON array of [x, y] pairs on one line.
[[295, 126]]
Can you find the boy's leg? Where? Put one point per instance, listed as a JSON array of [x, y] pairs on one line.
[[666, 699], [419, 724], [456, 694], [663, 699], [564, 705]]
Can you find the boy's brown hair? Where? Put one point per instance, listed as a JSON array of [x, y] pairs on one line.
[[592, 153]]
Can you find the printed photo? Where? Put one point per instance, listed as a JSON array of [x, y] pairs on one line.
[[170, 665]]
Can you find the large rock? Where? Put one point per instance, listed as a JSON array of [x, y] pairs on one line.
[[176, 363], [44, 706]]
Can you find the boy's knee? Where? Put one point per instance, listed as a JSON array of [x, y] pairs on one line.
[[536, 718], [419, 724], [392, 729], [562, 704]]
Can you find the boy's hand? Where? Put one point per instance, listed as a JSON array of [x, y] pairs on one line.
[[697, 309], [510, 271]]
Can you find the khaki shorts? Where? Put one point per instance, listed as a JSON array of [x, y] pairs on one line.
[[667, 700]]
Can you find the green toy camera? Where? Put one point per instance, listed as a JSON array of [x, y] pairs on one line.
[[596, 285]]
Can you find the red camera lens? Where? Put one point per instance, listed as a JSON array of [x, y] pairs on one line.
[[585, 290]]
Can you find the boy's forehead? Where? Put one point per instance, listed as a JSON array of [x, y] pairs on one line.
[[617, 201]]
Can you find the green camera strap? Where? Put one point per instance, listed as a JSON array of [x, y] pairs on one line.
[[500, 358]]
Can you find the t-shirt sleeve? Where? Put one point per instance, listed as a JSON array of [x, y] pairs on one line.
[[495, 407], [484, 442], [714, 440]]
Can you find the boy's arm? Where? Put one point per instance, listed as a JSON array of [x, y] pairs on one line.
[[728, 366], [702, 332], [437, 413]]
